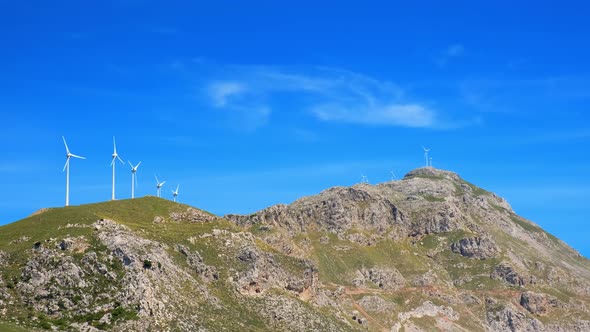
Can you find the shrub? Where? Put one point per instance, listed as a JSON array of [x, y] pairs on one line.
[[147, 264]]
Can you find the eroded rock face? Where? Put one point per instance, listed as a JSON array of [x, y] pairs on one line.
[[195, 261], [192, 215], [74, 244], [537, 303], [475, 247], [3, 258], [508, 318], [336, 210], [4, 295], [375, 304], [49, 280], [384, 278], [508, 274], [288, 314], [264, 272]]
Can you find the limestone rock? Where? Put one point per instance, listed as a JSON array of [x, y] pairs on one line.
[[537, 303], [384, 278], [507, 273], [475, 247]]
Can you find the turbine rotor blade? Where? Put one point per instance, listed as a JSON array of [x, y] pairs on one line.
[[130, 164], [121, 160], [75, 156], [114, 146], [161, 184], [112, 161], [157, 181], [136, 167], [66, 164], [66, 144]]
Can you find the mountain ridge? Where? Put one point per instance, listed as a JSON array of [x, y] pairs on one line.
[[428, 251]]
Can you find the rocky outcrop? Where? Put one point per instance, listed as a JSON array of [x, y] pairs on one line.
[[335, 210], [443, 316], [376, 304], [192, 215], [384, 278], [4, 295], [3, 258], [537, 303], [287, 314], [475, 247], [151, 278], [74, 244], [50, 280], [264, 272], [195, 261], [508, 274], [508, 318]]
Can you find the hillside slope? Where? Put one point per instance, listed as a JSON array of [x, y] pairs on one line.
[[431, 251]]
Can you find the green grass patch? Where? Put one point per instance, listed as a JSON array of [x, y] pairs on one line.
[[425, 176], [431, 198], [7, 327], [477, 191]]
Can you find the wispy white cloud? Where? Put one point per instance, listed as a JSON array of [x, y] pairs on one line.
[[220, 92], [406, 115], [327, 94], [451, 52]]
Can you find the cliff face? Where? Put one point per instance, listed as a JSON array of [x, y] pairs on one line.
[[431, 250]]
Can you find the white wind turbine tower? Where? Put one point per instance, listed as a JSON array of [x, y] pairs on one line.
[[69, 155], [426, 155], [158, 185], [133, 177], [115, 156], [175, 192]]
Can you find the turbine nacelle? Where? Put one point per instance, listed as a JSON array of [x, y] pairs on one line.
[[134, 168]]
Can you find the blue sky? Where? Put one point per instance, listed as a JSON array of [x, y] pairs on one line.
[[248, 104]]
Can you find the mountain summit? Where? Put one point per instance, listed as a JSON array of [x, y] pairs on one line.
[[428, 252]]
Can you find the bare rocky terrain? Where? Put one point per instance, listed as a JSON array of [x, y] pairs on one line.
[[428, 252]]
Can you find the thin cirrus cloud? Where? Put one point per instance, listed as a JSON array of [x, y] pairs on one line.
[[405, 115], [221, 92], [451, 52], [327, 94]]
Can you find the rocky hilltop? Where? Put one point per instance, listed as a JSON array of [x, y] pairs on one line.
[[428, 252]]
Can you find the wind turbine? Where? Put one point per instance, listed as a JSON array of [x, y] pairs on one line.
[[158, 185], [430, 161], [67, 169], [115, 156], [426, 155], [393, 177], [175, 192], [133, 177], [364, 179]]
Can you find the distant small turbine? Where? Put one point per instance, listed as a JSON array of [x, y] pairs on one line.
[[393, 177], [158, 185], [115, 157], [364, 179], [69, 155], [133, 177], [175, 192], [426, 155]]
